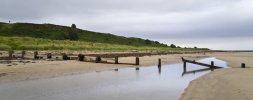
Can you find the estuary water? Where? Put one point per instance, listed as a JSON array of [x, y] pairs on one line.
[[148, 83]]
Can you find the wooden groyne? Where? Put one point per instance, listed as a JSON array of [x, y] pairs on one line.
[[97, 58], [211, 66], [13, 55]]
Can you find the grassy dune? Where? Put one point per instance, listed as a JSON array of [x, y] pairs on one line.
[[57, 32], [29, 36], [28, 43]]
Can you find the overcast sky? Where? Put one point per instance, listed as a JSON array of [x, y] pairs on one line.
[[216, 24]]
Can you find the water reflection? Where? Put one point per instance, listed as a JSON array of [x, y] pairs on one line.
[[126, 84], [159, 69], [196, 71]]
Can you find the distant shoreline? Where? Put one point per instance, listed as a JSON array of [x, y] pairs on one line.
[[232, 50]]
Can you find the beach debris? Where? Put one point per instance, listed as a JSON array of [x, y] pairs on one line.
[[23, 54], [65, 56], [80, 57], [49, 56], [137, 68], [36, 55], [98, 59], [243, 65], [10, 53], [3, 74]]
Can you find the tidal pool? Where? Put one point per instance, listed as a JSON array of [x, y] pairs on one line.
[[125, 84]]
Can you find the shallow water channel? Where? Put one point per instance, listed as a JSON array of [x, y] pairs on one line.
[[125, 84]]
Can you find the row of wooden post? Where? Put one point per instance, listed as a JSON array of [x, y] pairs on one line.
[[65, 57], [49, 55], [81, 57], [98, 59]]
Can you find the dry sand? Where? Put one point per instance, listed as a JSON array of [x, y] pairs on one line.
[[234, 83], [46, 69]]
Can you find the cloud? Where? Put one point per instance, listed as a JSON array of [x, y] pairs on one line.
[[153, 19]]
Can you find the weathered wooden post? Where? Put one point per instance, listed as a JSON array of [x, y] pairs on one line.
[[98, 59], [49, 56], [116, 60], [137, 61], [243, 65], [80, 57], [184, 66], [159, 62], [65, 56], [10, 53], [212, 65], [36, 55], [159, 66], [23, 54]]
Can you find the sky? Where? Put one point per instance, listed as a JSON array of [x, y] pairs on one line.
[[214, 24]]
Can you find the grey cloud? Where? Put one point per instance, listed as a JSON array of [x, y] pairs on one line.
[[153, 19]]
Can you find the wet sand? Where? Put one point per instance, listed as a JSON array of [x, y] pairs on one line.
[[234, 83], [47, 69]]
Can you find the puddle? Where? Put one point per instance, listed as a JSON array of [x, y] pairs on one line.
[[147, 83]]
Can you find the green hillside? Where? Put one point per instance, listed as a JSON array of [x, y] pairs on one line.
[[57, 32], [27, 36]]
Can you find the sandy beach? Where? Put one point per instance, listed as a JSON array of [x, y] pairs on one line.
[[234, 83], [46, 69]]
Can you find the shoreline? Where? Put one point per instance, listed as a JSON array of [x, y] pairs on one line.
[[233, 83]]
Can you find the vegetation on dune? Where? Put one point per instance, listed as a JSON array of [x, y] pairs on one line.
[[56, 32], [27, 36], [28, 43]]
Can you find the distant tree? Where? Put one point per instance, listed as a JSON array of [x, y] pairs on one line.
[[195, 47], [73, 26], [173, 46], [156, 42], [73, 36], [178, 47], [147, 41]]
